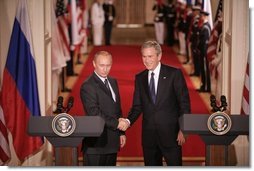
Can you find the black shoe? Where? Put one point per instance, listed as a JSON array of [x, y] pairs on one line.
[[74, 74], [201, 89], [65, 89], [193, 75], [186, 62], [78, 62], [208, 91]]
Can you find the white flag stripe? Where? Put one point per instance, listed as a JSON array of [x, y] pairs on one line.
[[247, 82], [76, 24], [2, 115], [246, 107], [3, 140], [22, 15], [57, 54], [4, 144]]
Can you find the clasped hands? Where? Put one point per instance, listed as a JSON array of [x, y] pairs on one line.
[[123, 124]]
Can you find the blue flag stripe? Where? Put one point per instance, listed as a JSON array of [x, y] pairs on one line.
[[21, 65]]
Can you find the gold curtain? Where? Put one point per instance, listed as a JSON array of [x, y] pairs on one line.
[[130, 12]]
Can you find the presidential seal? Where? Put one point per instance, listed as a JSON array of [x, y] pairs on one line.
[[219, 123], [63, 124]]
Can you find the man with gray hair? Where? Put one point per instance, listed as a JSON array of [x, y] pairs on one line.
[[162, 96]]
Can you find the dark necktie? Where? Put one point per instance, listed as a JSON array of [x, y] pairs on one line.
[[107, 85], [152, 88]]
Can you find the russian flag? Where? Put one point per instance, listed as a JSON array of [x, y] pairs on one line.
[[20, 98]]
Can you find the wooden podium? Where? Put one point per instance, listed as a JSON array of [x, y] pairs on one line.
[[86, 126], [197, 124]]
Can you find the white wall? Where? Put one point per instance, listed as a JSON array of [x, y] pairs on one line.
[[235, 53]]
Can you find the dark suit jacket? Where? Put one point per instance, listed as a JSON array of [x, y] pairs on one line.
[[160, 120], [97, 101], [109, 10]]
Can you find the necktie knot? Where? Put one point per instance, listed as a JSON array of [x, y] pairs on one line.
[[106, 84]]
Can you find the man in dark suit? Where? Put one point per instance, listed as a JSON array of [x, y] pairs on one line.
[[204, 36], [100, 97], [162, 96], [110, 14]]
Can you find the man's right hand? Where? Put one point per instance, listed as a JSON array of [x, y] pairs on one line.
[[123, 124]]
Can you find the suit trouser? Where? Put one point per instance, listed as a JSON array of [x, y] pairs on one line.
[[170, 33], [205, 74], [107, 32], [100, 159], [196, 60], [153, 155]]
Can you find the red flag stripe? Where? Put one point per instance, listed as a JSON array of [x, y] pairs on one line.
[[245, 110], [2, 124], [246, 94], [3, 129], [62, 25], [17, 123]]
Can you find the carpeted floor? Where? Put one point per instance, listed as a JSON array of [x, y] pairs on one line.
[[126, 63]]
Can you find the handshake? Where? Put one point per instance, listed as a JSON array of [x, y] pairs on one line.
[[123, 124]]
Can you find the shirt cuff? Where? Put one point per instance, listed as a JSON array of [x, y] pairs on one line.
[[128, 121]]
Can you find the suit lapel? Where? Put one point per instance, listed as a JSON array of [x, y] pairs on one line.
[[114, 87], [161, 84], [101, 84], [146, 86]]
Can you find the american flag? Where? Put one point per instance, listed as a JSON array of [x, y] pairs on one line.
[[219, 11], [77, 30], [245, 109], [58, 55], [4, 143], [62, 22], [214, 38]]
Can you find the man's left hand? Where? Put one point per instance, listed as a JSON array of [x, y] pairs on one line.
[[122, 140], [180, 138]]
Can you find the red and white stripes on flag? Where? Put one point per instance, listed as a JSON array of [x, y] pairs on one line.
[[214, 39], [77, 30], [245, 110], [213, 45], [58, 54], [62, 23], [4, 143]]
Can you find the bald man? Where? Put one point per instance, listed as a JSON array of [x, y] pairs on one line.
[[100, 97]]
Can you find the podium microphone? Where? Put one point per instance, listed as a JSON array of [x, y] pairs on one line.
[[213, 104], [59, 105], [224, 103], [70, 104]]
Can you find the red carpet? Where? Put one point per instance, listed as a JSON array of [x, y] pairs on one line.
[[126, 63]]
